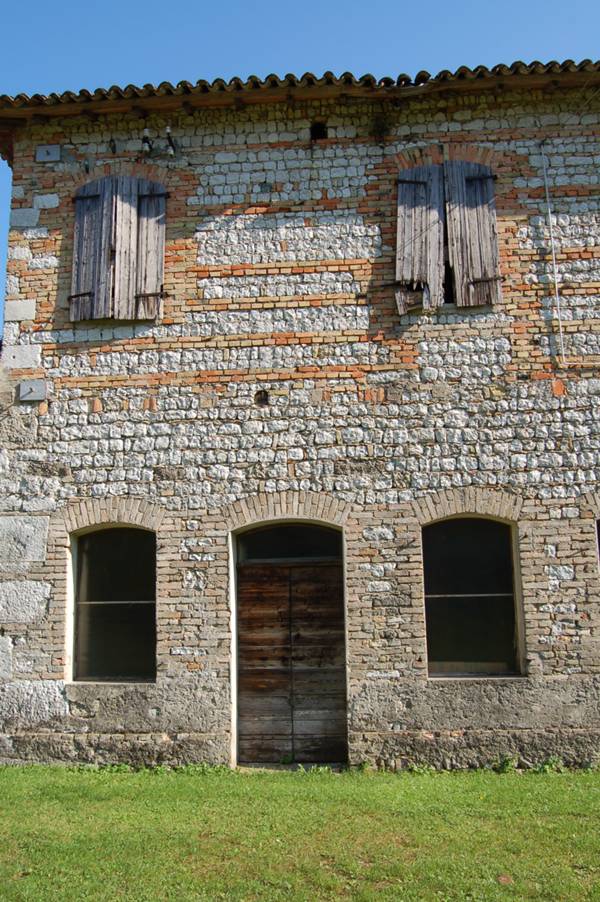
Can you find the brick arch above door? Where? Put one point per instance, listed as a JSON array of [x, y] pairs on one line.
[[308, 506]]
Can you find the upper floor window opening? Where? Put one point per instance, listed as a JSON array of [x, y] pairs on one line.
[[115, 605], [470, 613], [118, 249], [447, 240]]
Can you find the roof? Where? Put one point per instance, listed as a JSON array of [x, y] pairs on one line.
[[167, 96]]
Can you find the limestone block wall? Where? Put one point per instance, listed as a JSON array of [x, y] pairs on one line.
[[279, 276]]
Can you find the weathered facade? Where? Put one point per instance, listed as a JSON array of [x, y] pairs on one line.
[[285, 374]]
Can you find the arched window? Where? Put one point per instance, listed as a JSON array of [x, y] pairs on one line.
[[470, 597], [115, 605]]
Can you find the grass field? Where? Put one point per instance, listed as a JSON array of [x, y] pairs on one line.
[[69, 834]]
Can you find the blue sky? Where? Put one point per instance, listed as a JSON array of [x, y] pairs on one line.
[[70, 45]]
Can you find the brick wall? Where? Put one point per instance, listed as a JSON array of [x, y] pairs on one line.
[[279, 263]]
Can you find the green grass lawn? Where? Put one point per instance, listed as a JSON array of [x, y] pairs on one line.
[[69, 834]]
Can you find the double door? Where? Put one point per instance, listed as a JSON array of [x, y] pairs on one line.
[[291, 663]]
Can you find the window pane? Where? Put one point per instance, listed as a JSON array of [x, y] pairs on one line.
[[115, 630], [116, 641], [290, 541], [467, 556], [469, 598], [472, 631], [117, 565]]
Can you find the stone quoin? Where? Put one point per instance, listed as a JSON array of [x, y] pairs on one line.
[[299, 429]]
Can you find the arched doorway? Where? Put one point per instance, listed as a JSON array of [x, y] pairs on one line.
[[291, 645]]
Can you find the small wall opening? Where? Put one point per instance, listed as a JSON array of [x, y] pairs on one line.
[[470, 597], [115, 605], [318, 131]]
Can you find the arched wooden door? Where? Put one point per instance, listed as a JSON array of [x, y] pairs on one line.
[[291, 646]]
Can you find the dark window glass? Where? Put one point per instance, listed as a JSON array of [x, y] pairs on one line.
[[289, 541], [115, 630], [469, 597]]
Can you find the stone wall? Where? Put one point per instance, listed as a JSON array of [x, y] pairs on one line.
[[278, 277]]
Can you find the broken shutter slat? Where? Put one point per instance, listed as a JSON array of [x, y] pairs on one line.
[[86, 253], [420, 237], [472, 233], [126, 227], [150, 249]]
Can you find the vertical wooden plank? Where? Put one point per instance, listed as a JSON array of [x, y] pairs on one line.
[[150, 249], [264, 664], [85, 252], [420, 237], [126, 228], [472, 232], [105, 236], [318, 663]]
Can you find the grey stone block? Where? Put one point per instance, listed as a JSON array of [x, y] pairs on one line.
[[45, 201], [28, 702], [21, 357], [24, 218], [23, 601], [23, 538], [17, 311]]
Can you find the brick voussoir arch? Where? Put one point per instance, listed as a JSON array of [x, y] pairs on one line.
[[133, 168], [435, 154], [264, 508], [475, 501], [87, 513], [589, 505]]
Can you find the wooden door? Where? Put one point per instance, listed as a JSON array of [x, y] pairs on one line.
[[291, 663]]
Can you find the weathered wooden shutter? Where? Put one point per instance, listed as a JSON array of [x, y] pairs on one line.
[[472, 233], [119, 249], [420, 238], [150, 249], [126, 229], [91, 286]]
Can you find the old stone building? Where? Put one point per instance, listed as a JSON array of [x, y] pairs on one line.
[[300, 444]]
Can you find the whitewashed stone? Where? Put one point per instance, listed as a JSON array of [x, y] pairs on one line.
[[6, 662], [19, 252], [13, 285], [23, 601], [287, 237], [332, 318], [279, 286], [23, 538]]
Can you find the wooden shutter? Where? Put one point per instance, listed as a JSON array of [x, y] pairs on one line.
[[91, 286], [150, 249], [126, 229], [119, 247], [472, 233], [420, 238]]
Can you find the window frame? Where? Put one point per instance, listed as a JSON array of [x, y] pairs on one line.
[[520, 671], [73, 605]]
